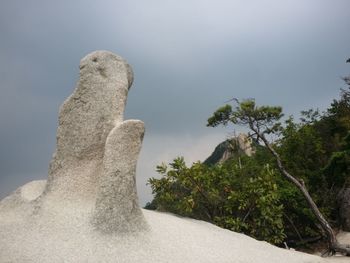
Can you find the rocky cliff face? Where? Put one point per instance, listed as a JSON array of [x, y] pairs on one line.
[[344, 208], [240, 145]]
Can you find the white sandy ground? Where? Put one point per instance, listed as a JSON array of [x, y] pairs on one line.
[[63, 233]]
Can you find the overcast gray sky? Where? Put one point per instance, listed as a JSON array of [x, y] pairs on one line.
[[188, 57]]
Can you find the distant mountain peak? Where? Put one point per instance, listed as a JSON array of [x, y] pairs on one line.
[[238, 145]]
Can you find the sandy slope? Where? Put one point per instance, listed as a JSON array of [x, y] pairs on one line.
[[63, 233]]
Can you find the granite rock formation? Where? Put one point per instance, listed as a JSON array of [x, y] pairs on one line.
[[97, 151], [236, 146], [344, 208]]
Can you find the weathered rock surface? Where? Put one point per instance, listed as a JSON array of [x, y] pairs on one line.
[[117, 208], [85, 120], [94, 164], [88, 210], [236, 146], [344, 208]]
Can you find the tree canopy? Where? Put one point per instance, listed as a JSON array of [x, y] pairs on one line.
[[250, 194]]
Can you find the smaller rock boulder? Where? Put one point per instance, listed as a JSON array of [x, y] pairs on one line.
[[344, 208]]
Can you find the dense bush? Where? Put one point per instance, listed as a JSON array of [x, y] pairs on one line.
[[316, 151], [234, 195]]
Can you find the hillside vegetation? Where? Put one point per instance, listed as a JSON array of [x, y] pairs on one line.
[[247, 194]]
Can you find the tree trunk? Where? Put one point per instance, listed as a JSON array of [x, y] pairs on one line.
[[333, 245]]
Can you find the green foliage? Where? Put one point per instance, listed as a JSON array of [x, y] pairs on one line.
[[259, 211], [242, 198], [316, 151], [247, 113], [337, 169], [302, 151], [221, 116], [250, 195], [312, 150]]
